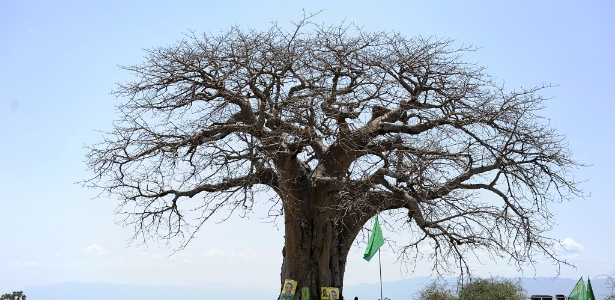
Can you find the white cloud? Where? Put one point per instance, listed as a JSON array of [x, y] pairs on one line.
[[570, 249], [187, 267], [213, 252], [570, 245], [95, 249]]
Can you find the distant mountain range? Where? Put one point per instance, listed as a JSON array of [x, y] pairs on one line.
[[407, 289], [404, 289]]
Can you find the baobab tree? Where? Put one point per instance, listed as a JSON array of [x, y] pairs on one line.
[[339, 125]]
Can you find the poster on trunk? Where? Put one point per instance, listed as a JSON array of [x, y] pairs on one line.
[[329, 293], [288, 290]]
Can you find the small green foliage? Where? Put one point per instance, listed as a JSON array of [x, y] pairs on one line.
[[492, 289], [13, 296], [478, 289], [436, 291]]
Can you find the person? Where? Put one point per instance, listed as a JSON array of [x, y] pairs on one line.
[[324, 293], [356, 298], [333, 295], [288, 289]]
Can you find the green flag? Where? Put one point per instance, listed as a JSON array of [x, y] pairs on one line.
[[375, 241], [589, 292], [578, 292]]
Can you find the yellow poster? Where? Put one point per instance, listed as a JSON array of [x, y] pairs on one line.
[[334, 293], [288, 290], [329, 293], [325, 294]]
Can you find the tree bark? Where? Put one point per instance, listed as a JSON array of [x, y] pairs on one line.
[[315, 252]]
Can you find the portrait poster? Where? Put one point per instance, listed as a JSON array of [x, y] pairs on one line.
[[334, 293], [288, 289], [324, 294], [329, 293]]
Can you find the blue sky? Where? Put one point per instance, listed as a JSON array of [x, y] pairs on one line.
[[58, 64]]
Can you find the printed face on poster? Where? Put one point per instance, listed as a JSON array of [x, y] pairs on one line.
[[288, 290], [329, 293]]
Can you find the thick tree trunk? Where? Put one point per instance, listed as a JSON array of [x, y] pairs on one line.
[[317, 243], [317, 240], [314, 254]]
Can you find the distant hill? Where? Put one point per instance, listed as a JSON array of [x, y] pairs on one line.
[[395, 290], [406, 289], [108, 291]]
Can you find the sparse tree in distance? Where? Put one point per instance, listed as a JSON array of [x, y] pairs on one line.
[[491, 289], [436, 291], [18, 295], [610, 282], [476, 289], [339, 125]]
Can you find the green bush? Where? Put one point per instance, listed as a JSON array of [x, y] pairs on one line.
[[14, 296], [436, 291], [492, 289], [477, 289]]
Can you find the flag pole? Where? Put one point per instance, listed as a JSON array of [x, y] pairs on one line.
[[380, 267], [376, 240]]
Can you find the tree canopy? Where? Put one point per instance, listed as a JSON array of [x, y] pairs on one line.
[[339, 125], [490, 289], [476, 289], [436, 291]]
